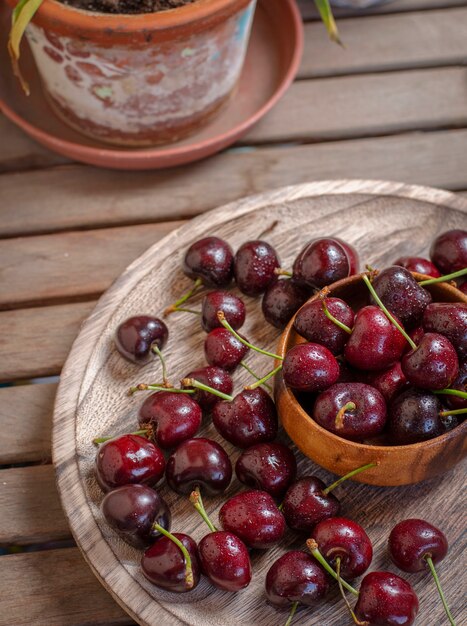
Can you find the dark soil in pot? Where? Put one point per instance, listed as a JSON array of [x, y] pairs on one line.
[[126, 6]]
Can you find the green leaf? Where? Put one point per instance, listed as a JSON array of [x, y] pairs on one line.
[[328, 18], [22, 15]]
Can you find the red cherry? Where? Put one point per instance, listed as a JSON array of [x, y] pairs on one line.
[[433, 364], [386, 600], [419, 265], [388, 382], [305, 504], [312, 323], [137, 335], [449, 251], [412, 541], [225, 560], [310, 367], [211, 260], [322, 262], [448, 319], [271, 467], [232, 307], [224, 350], [211, 376], [254, 267], [281, 300]]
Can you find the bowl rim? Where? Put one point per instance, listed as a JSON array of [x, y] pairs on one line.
[[281, 351]]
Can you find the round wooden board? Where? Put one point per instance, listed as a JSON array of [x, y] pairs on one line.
[[383, 220]]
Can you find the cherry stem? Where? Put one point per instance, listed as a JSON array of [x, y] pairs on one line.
[[430, 564], [323, 295], [225, 324], [451, 392], [265, 378], [174, 307], [454, 412], [145, 387], [250, 371], [291, 614], [155, 348], [386, 312], [350, 406], [99, 440], [344, 597], [185, 310], [279, 271], [191, 382], [349, 475], [442, 279], [186, 555], [313, 548], [197, 502]]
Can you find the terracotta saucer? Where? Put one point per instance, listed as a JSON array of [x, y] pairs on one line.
[[272, 61]]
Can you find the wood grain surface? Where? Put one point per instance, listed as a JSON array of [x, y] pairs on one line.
[[383, 220]]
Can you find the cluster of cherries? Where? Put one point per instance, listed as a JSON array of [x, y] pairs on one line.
[[129, 467]]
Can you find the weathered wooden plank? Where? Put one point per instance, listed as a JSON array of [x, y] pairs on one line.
[[30, 510], [70, 265], [94, 197], [35, 342], [392, 42], [308, 9], [56, 588], [26, 422]]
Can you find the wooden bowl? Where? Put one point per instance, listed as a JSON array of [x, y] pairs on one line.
[[397, 465]]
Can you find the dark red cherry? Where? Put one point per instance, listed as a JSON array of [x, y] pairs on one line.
[[136, 335], [296, 577], [254, 265], [199, 463], [416, 335], [433, 364], [224, 350], [271, 467], [211, 260], [232, 307], [463, 287], [305, 504], [310, 367], [321, 262], [352, 255], [128, 459], [414, 416], [449, 251], [460, 383], [419, 265], [173, 417], [375, 343], [388, 382], [254, 517], [225, 560], [412, 541], [281, 300], [344, 539], [164, 565], [351, 410], [448, 319], [311, 323], [132, 511], [402, 295], [386, 600], [214, 377], [249, 419]]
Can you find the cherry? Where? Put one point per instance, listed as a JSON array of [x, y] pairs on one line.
[[281, 300], [135, 511], [352, 255], [271, 467], [343, 542], [433, 364], [449, 251], [310, 367], [172, 417], [254, 265], [386, 600], [389, 382], [213, 377], [415, 335], [128, 459], [322, 262], [460, 383], [232, 307], [415, 546], [253, 516], [351, 410], [402, 295], [250, 418], [312, 323], [172, 563], [211, 260], [419, 265], [224, 350], [223, 556], [295, 578], [448, 319], [414, 416], [199, 462], [375, 343], [137, 336]]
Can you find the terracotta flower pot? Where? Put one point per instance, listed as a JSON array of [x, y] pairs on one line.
[[140, 79]]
